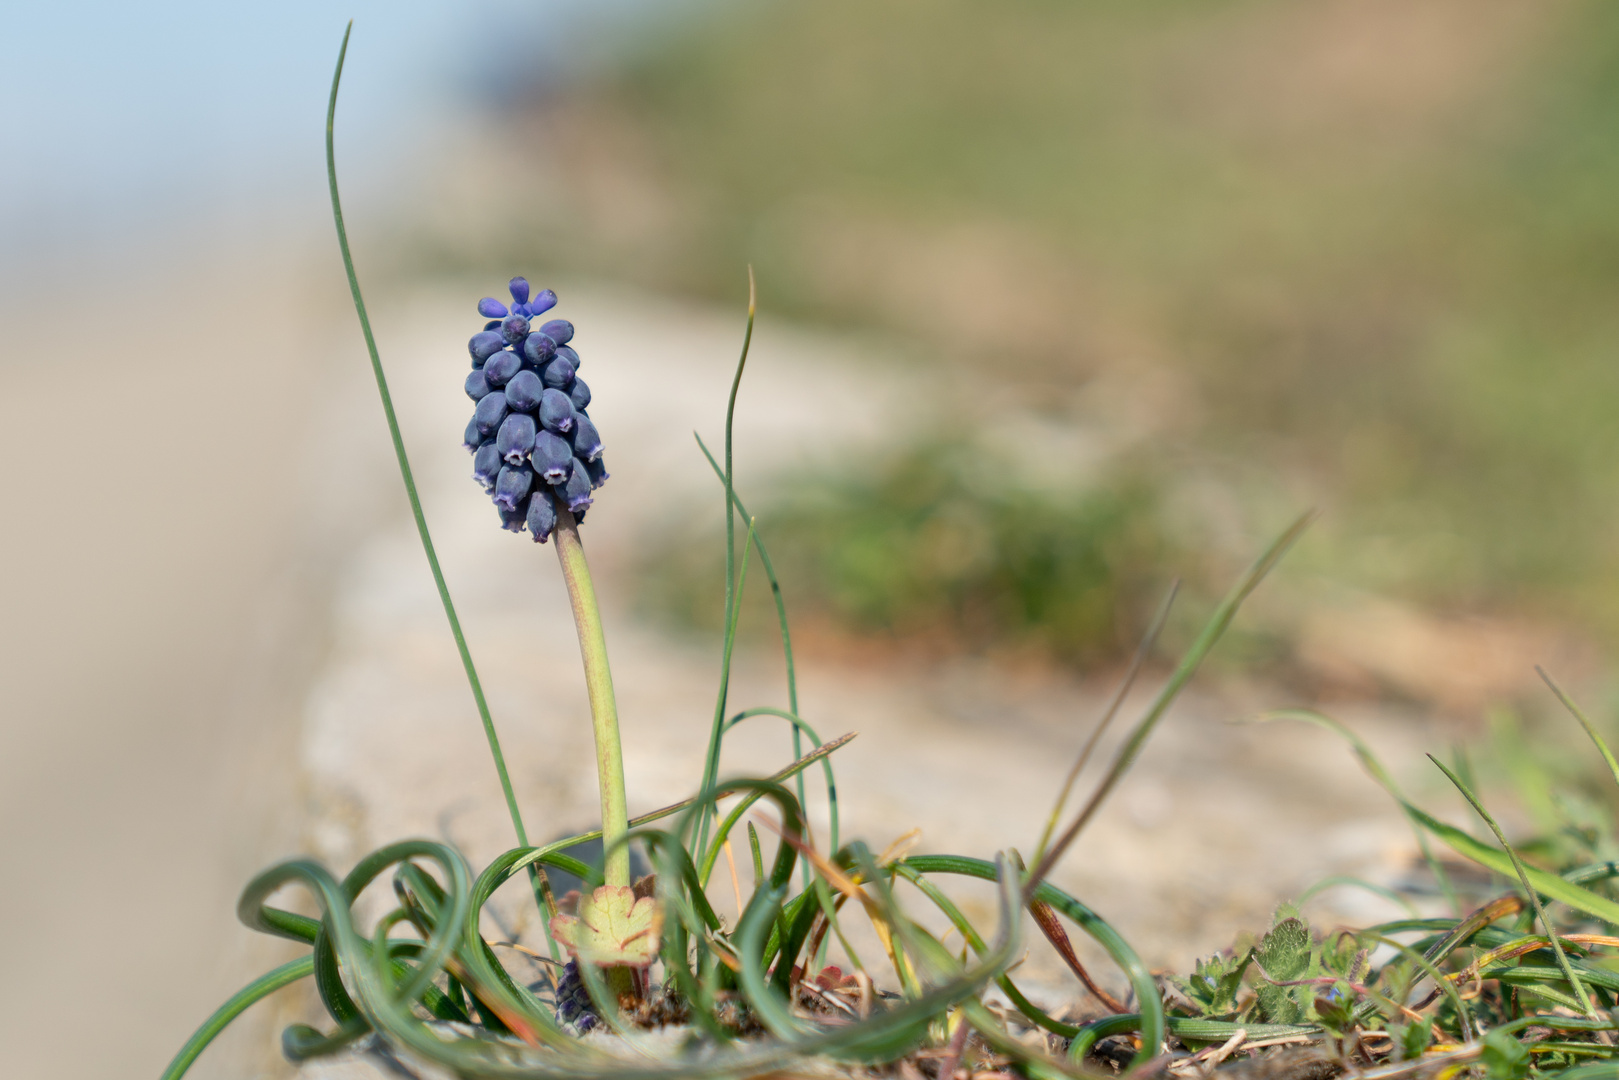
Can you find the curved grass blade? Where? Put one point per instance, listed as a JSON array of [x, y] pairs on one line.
[[711, 762], [1360, 883], [1547, 884], [731, 819], [1148, 640], [1212, 631], [786, 633], [1141, 980], [1585, 722], [1375, 769], [1523, 877], [975, 941], [238, 1003], [405, 470]]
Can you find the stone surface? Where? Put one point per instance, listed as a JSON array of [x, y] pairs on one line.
[[1216, 824]]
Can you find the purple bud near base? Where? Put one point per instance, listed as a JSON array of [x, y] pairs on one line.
[[587, 441], [569, 352], [519, 289], [542, 516], [491, 411], [490, 308], [486, 465], [484, 344], [524, 390], [556, 412], [543, 301], [516, 438], [514, 329], [512, 486], [576, 492], [477, 385], [512, 520], [579, 394], [597, 471], [501, 367], [538, 348], [472, 437], [552, 457], [559, 373], [558, 330]]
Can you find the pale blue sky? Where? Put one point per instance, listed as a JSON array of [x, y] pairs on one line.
[[117, 116]]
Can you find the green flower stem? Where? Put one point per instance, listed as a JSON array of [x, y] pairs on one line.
[[603, 707]]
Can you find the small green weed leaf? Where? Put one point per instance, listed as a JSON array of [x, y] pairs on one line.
[[613, 928], [1335, 1011], [1505, 1058], [1213, 987], [1284, 954], [1413, 1040]]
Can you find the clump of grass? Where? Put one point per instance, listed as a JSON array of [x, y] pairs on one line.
[[1516, 980], [930, 546]]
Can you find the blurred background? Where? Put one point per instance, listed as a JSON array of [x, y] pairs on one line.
[[1059, 303]]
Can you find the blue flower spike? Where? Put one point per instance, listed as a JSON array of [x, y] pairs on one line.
[[536, 449]]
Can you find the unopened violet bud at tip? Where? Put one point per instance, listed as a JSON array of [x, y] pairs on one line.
[[514, 329], [543, 301], [579, 394], [523, 391], [516, 437], [587, 441], [552, 457], [477, 385], [576, 492], [512, 486], [559, 374], [558, 330], [491, 411], [542, 515], [501, 367], [519, 289], [490, 308], [538, 348], [484, 344], [556, 412], [597, 471], [473, 436], [486, 465], [512, 520]]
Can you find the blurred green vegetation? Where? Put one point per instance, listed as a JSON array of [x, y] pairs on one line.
[[930, 548], [1371, 248]]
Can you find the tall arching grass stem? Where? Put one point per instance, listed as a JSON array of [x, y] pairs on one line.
[[404, 464]]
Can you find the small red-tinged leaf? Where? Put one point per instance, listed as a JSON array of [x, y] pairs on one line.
[[613, 928]]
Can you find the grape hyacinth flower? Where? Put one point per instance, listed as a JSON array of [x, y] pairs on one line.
[[536, 450]]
